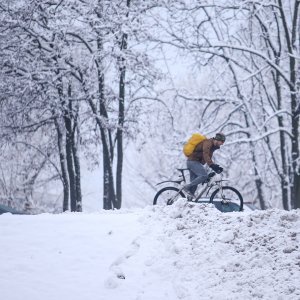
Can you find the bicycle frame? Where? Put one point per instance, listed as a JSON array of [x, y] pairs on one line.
[[215, 181]]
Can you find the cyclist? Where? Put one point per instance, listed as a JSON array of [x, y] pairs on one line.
[[202, 155]]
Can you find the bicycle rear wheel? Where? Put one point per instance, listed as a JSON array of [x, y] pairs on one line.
[[228, 200], [167, 196]]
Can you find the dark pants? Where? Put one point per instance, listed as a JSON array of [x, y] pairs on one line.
[[198, 175]]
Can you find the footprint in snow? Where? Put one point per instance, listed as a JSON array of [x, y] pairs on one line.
[[111, 283]]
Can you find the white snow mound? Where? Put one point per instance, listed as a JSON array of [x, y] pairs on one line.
[[184, 251]]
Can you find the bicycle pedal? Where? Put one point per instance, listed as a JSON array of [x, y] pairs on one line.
[[191, 198]]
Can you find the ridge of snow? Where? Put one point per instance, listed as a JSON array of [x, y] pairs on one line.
[[184, 251]]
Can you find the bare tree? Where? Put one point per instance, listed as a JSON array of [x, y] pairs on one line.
[[78, 57], [256, 45]]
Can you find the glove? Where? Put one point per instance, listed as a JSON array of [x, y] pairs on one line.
[[220, 170], [216, 168], [209, 176]]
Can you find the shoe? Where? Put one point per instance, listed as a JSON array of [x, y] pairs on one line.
[[190, 196], [209, 177]]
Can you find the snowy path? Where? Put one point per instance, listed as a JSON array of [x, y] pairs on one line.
[[179, 252], [61, 256]]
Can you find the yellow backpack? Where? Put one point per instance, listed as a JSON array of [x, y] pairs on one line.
[[191, 144]]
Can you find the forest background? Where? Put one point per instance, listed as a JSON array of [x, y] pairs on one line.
[[100, 95]]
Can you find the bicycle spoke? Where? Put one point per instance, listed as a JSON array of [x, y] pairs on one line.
[[228, 199], [167, 196]]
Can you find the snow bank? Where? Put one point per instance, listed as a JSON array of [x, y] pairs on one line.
[[184, 251], [207, 254]]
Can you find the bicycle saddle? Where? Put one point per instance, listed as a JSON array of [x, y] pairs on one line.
[[180, 170]]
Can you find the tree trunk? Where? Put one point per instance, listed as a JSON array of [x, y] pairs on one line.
[[295, 138], [291, 36], [77, 170], [109, 198], [69, 155], [73, 120], [121, 121], [120, 138], [64, 172], [108, 188], [297, 191], [284, 172], [297, 177]]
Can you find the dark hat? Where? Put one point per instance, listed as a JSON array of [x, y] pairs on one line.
[[220, 137]]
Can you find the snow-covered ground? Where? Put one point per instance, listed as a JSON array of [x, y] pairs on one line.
[[185, 251]]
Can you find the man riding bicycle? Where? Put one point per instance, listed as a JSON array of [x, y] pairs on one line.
[[202, 155]]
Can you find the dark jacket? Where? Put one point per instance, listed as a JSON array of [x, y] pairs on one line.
[[203, 152]]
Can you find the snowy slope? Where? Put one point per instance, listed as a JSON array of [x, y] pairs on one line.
[[185, 251]]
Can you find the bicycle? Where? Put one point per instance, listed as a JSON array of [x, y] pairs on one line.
[[230, 199]]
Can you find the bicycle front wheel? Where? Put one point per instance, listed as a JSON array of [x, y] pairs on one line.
[[228, 199], [167, 196]]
